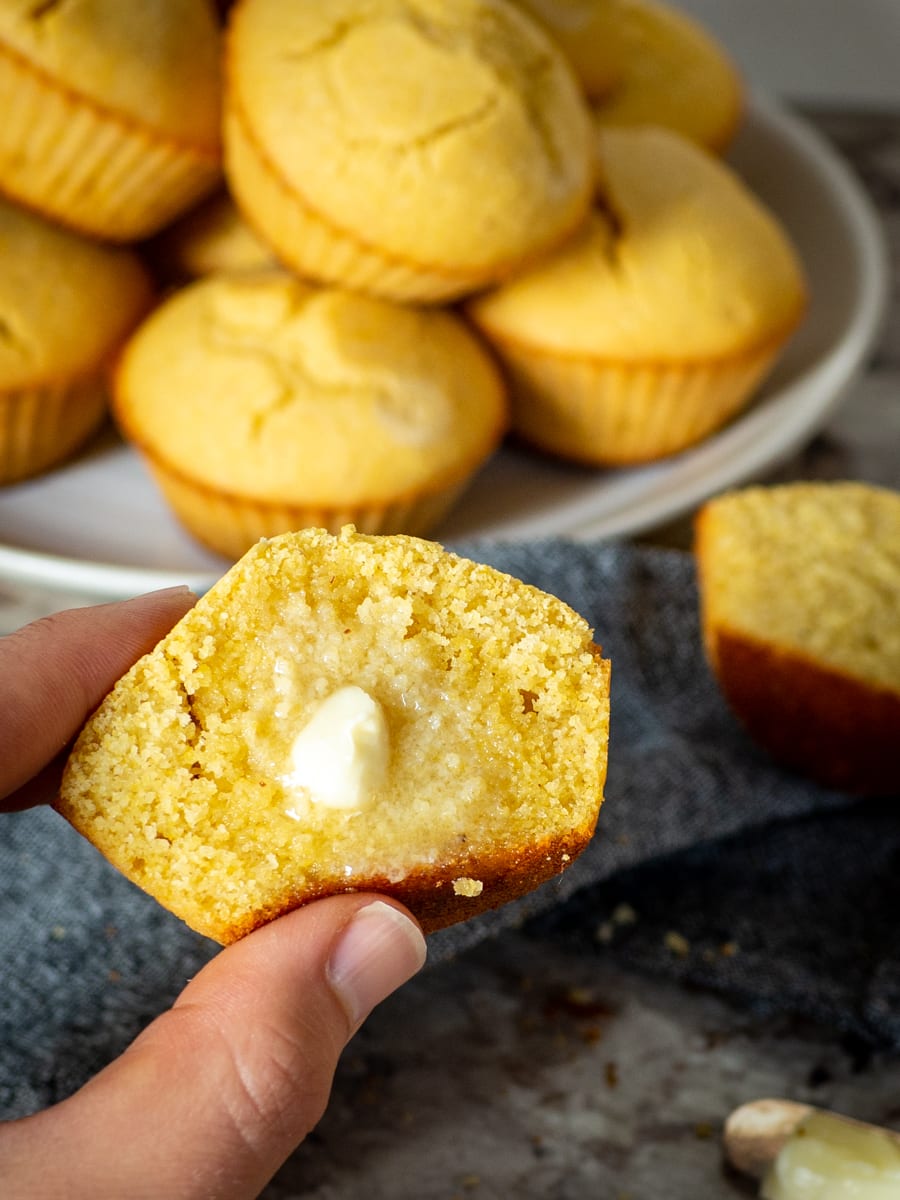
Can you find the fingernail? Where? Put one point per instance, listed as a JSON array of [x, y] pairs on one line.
[[179, 589], [377, 951]]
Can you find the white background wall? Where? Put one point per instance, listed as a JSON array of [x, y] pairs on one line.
[[814, 50]]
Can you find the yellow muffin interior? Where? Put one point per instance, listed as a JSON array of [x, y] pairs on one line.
[[812, 567], [495, 699]]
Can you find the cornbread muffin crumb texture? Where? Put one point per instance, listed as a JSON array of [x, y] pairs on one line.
[[496, 704], [800, 592]]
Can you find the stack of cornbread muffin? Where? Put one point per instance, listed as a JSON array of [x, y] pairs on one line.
[[382, 235]]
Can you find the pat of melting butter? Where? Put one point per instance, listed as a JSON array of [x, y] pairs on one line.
[[340, 757], [827, 1158]]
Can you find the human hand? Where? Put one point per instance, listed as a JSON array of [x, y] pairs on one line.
[[213, 1096]]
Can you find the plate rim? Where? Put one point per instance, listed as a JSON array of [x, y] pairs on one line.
[[841, 365]]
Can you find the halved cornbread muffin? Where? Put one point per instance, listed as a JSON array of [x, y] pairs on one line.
[[348, 713], [800, 595]]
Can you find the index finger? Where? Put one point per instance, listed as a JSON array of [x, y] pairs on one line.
[[54, 673]]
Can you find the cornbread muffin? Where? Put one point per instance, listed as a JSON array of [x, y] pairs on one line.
[[111, 110], [262, 404], [349, 713], [654, 326], [800, 595], [66, 304], [413, 149], [589, 33], [645, 63], [211, 237]]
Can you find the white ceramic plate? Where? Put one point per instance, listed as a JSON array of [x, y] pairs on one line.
[[98, 525]]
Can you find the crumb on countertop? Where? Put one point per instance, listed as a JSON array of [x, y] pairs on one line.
[[677, 943]]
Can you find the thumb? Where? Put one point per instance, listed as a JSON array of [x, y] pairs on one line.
[[215, 1094]]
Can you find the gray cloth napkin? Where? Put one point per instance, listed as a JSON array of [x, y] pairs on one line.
[[701, 837]]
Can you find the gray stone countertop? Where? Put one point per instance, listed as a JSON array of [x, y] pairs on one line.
[[523, 1069]]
